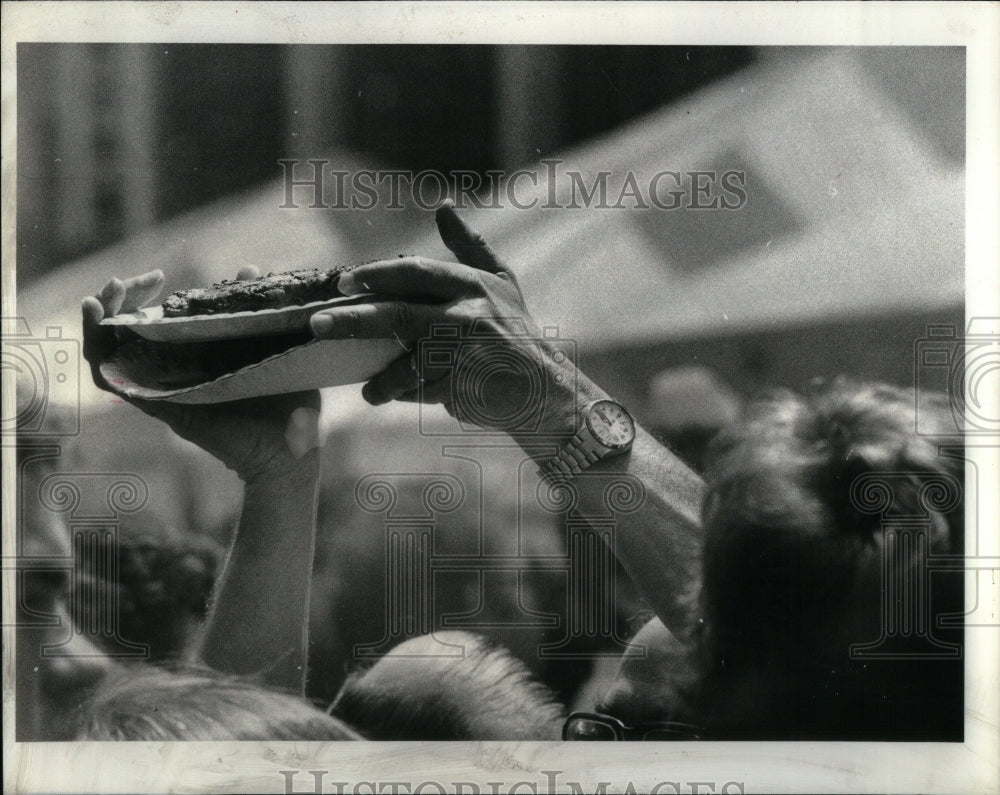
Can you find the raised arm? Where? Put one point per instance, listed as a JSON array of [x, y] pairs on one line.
[[258, 617], [478, 298]]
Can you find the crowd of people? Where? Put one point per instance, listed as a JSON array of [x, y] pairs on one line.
[[764, 573]]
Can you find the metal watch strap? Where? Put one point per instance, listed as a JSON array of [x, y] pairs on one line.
[[571, 459]]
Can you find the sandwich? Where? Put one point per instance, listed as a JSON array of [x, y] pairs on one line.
[[274, 291]]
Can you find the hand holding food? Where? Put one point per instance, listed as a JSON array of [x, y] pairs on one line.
[[471, 343], [253, 436]]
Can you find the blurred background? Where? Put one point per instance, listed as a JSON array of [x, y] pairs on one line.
[[133, 157], [114, 138], [140, 156]]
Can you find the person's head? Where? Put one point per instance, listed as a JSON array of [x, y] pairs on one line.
[[414, 693], [149, 703], [793, 576], [793, 556], [56, 664], [162, 583], [654, 682]]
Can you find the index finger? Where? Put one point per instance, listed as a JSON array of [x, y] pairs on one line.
[[140, 290], [467, 245], [130, 294]]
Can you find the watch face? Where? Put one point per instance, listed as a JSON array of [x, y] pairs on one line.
[[610, 424]]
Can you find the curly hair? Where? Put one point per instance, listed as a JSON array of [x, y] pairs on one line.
[[793, 565], [161, 586]]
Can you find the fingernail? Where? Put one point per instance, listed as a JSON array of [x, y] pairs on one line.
[[110, 288], [321, 324], [445, 213], [347, 284], [93, 312]]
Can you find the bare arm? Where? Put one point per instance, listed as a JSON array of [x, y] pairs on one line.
[[660, 542], [258, 618], [258, 621]]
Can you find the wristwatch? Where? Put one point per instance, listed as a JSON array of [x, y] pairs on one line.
[[607, 430]]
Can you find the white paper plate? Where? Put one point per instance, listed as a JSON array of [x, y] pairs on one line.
[[151, 324], [314, 365]]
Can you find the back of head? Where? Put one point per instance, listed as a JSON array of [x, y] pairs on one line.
[[161, 585], [793, 569], [149, 703], [414, 693]]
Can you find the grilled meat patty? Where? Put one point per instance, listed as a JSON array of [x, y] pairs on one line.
[[274, 291]]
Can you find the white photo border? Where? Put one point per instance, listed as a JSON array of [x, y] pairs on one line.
[[756, 766]]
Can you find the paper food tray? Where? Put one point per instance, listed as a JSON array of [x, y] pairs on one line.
[[151, 324], [316, 364]]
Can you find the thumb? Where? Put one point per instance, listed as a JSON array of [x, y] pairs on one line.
[[98, 341]]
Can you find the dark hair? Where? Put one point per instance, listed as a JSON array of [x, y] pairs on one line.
[[485, 694], [152, 703], [162, 584], [793, 562]]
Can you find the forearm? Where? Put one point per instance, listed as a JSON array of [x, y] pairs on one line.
[[659, 542], [258, 621]]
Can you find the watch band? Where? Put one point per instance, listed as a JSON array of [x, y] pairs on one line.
[[572, 458], [584, 448]]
